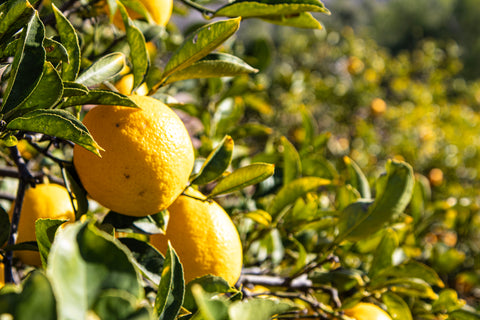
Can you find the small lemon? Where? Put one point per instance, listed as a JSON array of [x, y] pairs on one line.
[[125, 86], [159, 10], [147, 160], [367, 311], [47, 201], [204, 237]]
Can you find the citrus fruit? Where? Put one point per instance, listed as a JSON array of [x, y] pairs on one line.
[[2, 275], [125, 86], [204, 237], [159, 10], [147, 160], [47, 201], [367, 311]]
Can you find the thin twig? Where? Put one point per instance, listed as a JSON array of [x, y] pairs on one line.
[[205, 11]]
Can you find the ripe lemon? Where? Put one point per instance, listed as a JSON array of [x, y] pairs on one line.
[[159, 10], [204, 237], [47, 201], [367, 311], [2, 275], [147, 160], [125, 86]]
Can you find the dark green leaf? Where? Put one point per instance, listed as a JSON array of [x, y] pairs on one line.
[[411, 269], [147, 258], [147, 225], [199, 44], [357, 178], [45, 233], [342, 279], [69, 40], [27, 66], [464, 315], [46, 94], [210, 284], [396, 306], [56, 52], [171, 289], [83, 263], [102, 97], [242, 178], [74, 89], [298, 20], [56, 123], [363, 218], [103, 69], [18, 14], [216, 163], [212, 66], [119, 304], [259, 8], [138, 49], [289, 193], [75, 189], [37, 300], [383, 257], [292, 165]]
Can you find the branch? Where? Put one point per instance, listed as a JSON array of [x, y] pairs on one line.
[[205, 11]]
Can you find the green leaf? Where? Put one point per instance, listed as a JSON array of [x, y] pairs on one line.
[[171, 289], [243, 177], [292, 165], [258, 309], [18, 14], [4, 226], [103, 69], [357, 178], [102, 97], [298, 20], [210, 284], [363, 218], [56, 123], [148, 260], [119, 304], [75, 189], [147, 225], [69, 39], [45, 230], [396, 306], [55, 52], [27, 66], [259, 8], [260, 216], [199, 44], [464, 315], [447, 301], [138, 49], [227, 115], [216, 163], [412, 269], [212, 66], [409, 286], [209, 309], [46, 94], [83, 263], [289, 193], [342, 279], [383, 257]]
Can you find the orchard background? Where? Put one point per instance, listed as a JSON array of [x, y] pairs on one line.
[[370, 123]]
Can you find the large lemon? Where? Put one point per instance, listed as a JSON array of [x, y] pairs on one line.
[[147, 160], [47, 201], [204, 237], [159, 10], [367, 311]]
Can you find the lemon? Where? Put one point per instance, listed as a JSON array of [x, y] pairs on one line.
[[159, 10], [47, 201], [147, 160], [204, 237], [125, 86], [367, 311], [2, 275]]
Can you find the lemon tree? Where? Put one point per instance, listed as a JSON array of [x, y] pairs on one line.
[[182, 201]]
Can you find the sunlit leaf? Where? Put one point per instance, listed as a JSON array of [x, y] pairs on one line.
[[411, 269], [259, 309], [27, 66], [210, 284], [259, 8], [119, 304], [463, 314], [69, 39], [209, 309], [383, 257], [45, 233], [103, 69], [99, 97], [18, 14], [73, 89], [447, 301], [171, 289], [396, 306], [260, 216], [289, 193], [357, 178], [298, 20], [292, 165], [216, 163], [213, 65], [199, 44], [56, 123], [243, 177]]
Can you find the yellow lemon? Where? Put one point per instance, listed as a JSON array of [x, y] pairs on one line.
[[204, 237], [159, 10], [47, 201], [147, 160], [367, 311], [2, 275], [125, 86]]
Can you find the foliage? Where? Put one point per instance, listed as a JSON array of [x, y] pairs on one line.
[[328, 212]]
